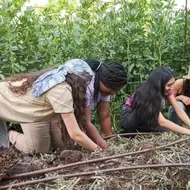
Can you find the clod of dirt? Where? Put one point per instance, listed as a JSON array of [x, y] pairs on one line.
[[27, 165], [71, 156], [9, 157]]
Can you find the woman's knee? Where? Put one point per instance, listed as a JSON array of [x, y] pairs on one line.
[[128, 122], [37, 137], [181, 105], [23, 144]]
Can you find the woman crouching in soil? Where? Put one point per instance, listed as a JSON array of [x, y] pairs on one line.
[[181, 91], [142, 110], [71, 91]]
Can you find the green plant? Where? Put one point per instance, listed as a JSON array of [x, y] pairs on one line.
[[141, 34]]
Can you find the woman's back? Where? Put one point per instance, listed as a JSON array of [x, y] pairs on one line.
[[28, 108]]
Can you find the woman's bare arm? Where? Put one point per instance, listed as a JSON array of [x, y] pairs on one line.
[[172, 126], [75, 132]]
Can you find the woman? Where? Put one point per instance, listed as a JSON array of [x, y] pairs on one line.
[[71, 90], [181, 91], [142, 110]]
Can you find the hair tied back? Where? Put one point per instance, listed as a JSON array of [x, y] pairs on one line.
[[98, 66], [169, 70]]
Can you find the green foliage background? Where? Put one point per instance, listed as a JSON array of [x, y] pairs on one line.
[[141, 34]]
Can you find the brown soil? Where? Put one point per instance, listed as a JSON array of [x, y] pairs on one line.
[[8, 159], [13, 162]]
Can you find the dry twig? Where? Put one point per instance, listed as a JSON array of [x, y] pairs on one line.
[[38, 172], [94, 173]]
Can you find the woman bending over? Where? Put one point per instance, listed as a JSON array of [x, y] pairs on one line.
[[142, 110]]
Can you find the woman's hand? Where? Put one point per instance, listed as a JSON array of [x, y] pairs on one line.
[[92, 132], [184, 99], [180, 112], [75, 132], [172, 126]]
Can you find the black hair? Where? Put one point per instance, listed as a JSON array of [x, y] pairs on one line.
[[148, 96], [112, 74], [186, 88]]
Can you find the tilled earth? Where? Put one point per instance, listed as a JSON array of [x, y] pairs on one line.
[[176, 178]]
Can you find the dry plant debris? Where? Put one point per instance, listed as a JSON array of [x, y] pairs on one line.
[[173, 178]]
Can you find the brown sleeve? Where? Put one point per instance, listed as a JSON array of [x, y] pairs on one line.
[[60, 98]]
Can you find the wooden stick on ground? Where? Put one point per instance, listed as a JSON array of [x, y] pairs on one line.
[[38, 172], [94, 173], [132, 134]]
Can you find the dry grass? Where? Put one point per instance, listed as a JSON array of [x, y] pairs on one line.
[[140, 179]]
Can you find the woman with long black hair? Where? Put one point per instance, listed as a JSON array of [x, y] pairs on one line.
[[142, 110], [70, 91]]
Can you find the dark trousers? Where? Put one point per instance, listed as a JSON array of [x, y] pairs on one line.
[[4, 140], [130, 123]]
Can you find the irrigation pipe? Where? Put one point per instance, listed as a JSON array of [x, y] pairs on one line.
[[96, 172], [131, 134], [27, 174]]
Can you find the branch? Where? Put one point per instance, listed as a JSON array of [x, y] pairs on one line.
[[38, 172], [94, 173], [131, 134]]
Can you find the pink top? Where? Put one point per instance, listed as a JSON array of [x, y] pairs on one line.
[[130, 99]]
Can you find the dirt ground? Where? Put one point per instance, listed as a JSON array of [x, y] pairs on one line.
[[175, 178]]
